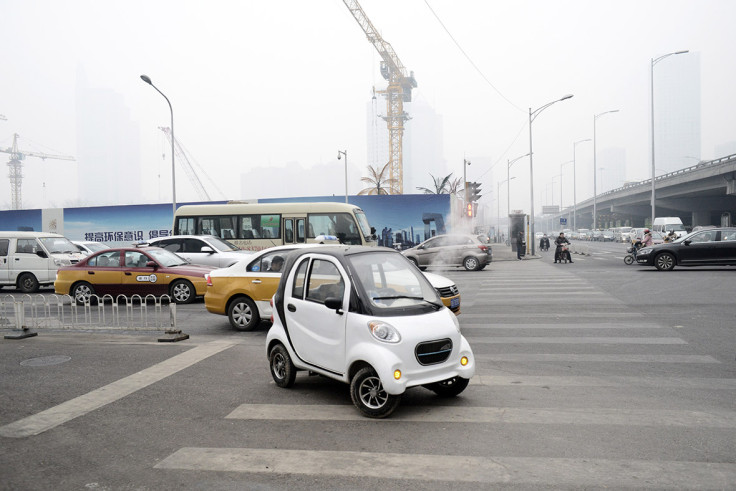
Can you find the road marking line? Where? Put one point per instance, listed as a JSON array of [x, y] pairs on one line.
[[545, 357], [554, 472], [506, 415], [79, 406], [571, 340], [495, 325], [497, 378]]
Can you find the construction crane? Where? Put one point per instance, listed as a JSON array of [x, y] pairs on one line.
[[397, 92], [181, 154], [16, 169]]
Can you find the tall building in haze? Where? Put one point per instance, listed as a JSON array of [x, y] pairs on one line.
[[108, 147], [677, 112]]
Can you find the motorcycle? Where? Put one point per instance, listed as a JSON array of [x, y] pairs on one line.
[[562, 254]]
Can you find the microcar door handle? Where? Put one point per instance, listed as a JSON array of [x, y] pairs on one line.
[[90, 272], [291, 308], [128, 273], [256, 282]]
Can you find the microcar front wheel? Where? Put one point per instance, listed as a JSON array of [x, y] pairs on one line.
[[450, 387], [369, 396]]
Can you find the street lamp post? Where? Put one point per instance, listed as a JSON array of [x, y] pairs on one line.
[[654, 61], [509, 163], [575, 186], [595, 189], [345, 153], [532, 116], [147, 79]]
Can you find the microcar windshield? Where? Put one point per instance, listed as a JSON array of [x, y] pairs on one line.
[[393, 285]]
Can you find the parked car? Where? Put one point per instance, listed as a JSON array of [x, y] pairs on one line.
[[132, 271], [710, 247], [367, 317], [29, 260], [87, 247], [244, 290], [451, 250], [207, 250]]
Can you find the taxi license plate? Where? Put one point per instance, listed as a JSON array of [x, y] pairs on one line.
[[454, 303]]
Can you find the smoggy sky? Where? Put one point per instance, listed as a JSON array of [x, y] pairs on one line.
[[266, 83]]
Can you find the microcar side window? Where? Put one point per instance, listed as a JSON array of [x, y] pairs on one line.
[[324, 281], [297, 289]]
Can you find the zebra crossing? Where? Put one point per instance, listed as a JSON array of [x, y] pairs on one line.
[[546, 363]]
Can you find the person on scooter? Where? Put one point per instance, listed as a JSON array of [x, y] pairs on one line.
[[647, 239], [544, 243], [559, 242]]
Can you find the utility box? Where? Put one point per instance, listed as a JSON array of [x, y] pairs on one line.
[[517, 223]]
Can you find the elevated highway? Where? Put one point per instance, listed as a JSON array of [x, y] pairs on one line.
[[699, 195]]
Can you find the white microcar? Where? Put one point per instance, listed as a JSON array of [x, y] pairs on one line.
[[367, 317]]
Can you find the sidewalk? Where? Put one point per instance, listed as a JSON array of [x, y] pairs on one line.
[[502, 252]]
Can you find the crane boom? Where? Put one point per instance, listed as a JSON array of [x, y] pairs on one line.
[[191, 174], [16, 169], [397, 92]]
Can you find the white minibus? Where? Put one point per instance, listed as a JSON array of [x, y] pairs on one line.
[[257, 226]]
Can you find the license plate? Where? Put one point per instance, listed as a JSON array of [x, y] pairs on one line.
[[455, 303]]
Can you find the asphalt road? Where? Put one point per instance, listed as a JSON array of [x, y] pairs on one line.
[[592, 375]]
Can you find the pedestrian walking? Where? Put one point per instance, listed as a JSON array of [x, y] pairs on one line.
[[519, 245]]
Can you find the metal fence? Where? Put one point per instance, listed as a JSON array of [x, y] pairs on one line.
[[133, 313]]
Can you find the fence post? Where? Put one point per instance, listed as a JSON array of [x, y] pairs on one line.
[[172, 333], [20, 331]]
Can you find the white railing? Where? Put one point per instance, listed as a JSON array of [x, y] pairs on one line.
[[134, 313]]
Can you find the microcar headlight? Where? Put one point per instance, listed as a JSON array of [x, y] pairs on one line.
[[384, 332], [62, 262]]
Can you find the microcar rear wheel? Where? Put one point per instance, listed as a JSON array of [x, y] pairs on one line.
[[369, 397], [243, 314], [450, 387], [283, 370]]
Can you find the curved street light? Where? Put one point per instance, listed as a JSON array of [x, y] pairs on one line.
[[147, 79], [532, 116], [654, 61]]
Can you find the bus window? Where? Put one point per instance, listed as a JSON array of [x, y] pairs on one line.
[[341, 225], [289, 231], [260, 227], [300, 237], [221, 226], [185, 226]]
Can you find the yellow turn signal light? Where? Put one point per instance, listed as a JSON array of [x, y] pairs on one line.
[[397, 374], [464, 360]]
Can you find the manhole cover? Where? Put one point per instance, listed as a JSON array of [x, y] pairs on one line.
[[45, 361]]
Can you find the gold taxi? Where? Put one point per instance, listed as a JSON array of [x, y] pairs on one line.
[[243, 291], [132, 271]]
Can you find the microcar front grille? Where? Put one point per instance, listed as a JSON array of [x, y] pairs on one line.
[[448, 291], [433, 352]]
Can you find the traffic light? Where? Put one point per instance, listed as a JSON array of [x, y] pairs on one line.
[[469, 210], [473, 191]]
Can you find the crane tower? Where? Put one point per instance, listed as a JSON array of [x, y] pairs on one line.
[[397, 92], [16, 169]]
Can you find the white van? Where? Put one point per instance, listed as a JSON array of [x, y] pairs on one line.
[[30, 259], [663, 225]]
